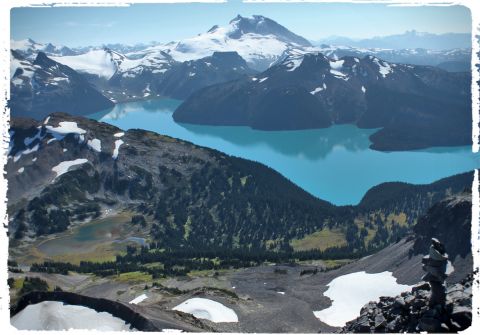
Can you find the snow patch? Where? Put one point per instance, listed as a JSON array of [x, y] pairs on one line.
[[383, 67], [28, 140], [319, 89], [138, 299], [293, 64], [349, 293], [118, 135], [55, 315], [118, 143], [207, 309], [97, 62], [338, 74], [159, 71], [63, 167], [95, 144], [25, 152], [262, 80], [66, 127], [337, 65], [21, 170], [450, 268], [364, 89]]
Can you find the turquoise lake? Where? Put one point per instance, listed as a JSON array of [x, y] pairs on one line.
[[334, 164]]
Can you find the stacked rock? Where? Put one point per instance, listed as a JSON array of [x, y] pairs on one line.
[[428, 307], [435, 264]]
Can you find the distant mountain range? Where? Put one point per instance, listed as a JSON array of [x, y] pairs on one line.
[[29, 48], [452, 60], [299, 85], [409, 40]]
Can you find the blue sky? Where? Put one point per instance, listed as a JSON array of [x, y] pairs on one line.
[[81, 26]]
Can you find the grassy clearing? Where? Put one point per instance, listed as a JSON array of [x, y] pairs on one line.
[[102, 253], [134, 277], [333, 263], [18, 283], [207, 273], [320, 240]]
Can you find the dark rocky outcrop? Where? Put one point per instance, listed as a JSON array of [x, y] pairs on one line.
[[430, 306], [447, 218], [411, 312]]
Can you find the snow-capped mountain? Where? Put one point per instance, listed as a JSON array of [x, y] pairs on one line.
[[454, 60], [258, 40], [29, 49], [43, 86], [106, 63], [118, 76], [309, 90]]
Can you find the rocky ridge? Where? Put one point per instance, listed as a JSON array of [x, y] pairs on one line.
[[426, 106], [44, 86]]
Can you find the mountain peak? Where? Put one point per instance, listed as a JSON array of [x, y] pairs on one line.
[[42, 59], [261, 25]]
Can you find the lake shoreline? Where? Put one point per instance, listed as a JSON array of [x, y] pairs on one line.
[[336, 164]]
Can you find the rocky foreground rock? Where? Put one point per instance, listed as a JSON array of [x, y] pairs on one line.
[[430, 306]]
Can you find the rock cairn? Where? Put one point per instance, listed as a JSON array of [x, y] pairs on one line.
[[435, 264], [430, 306]]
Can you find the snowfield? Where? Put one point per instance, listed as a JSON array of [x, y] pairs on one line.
[[66, 127], [105, 63], [54, 315], [96, 62], [349, 293], [207, 309]]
